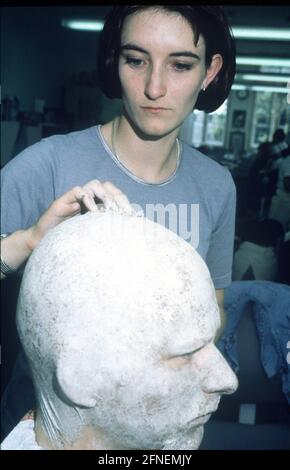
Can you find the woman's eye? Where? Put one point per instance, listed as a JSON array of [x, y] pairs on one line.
[[134, 62], [181, 67]]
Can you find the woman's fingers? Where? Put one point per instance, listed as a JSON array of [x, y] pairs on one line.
[[91, 196], [124, 204], [69, 204], [120, 199], [110, 195]]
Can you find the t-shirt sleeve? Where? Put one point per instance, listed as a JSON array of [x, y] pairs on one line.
[[219, 257], [27, 187]]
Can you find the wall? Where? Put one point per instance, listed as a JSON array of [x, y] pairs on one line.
[[39, 59], [29, 68], [39, 56]]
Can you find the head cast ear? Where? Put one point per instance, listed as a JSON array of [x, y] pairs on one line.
[[77, 381]]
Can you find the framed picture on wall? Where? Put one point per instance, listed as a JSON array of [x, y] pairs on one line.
[[239, 118], [237, 141]]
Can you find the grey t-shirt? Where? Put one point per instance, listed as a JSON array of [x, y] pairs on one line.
[[197, 201]]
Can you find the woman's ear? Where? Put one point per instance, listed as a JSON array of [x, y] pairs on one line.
[[213, 69], [76, 381]]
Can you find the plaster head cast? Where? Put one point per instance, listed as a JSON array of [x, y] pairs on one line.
[[118, 316]]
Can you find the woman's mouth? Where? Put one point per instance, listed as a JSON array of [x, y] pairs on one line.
[[154, 110]]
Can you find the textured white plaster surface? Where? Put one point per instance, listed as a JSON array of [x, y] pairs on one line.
[[118, 316]]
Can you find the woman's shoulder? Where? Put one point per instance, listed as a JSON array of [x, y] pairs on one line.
[[73, 140], [55, 148], [205, 168]]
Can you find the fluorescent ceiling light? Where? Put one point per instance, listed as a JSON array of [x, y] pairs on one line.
[[83, 25], [237, 86], [276, 70], [263, 78], [266, 34], [263, 61], [270, 89]]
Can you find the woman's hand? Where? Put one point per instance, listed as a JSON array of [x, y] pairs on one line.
[[71, 204], [16, 248]]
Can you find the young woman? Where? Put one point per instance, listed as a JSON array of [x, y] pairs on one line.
[[163, 62]]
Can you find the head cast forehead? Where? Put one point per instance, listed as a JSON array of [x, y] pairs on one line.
[[95, 275]]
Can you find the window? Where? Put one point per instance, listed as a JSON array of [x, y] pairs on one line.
[[271, 111], [262, 118], [216, 126], [205, 129]]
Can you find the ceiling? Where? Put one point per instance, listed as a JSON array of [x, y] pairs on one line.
[[277, 16], [242, 15]]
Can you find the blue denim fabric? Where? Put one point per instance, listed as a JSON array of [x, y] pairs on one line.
[[271, 309]]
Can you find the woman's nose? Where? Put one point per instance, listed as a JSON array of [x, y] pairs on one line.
[[219, 378], [155, 86]]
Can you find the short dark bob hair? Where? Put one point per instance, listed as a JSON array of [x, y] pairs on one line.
[[209, 21]]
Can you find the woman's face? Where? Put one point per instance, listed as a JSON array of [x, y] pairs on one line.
[[161, 70]]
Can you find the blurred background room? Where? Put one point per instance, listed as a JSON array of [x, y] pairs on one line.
[[49, 86]]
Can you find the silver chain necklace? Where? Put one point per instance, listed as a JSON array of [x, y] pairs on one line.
[[113, 134]]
